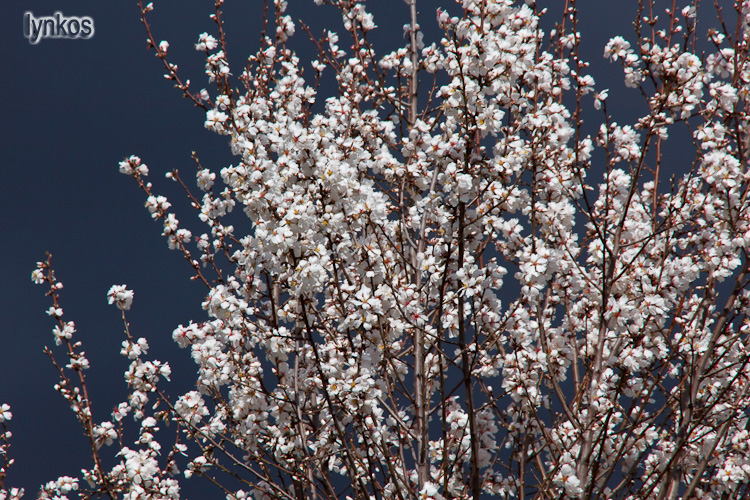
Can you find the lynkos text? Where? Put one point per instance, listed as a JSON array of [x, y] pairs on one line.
[[56, 26]]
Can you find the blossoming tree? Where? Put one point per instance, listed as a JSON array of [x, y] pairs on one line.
[[442, 284]]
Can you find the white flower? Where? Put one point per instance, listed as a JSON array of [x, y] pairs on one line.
[[37, 276], [429, 492], [5, 413], [121, 296], [191, 407], [133, 166], [121, 411], [140, 466], [66, 484], [464, 183], [170, 224], [654, 304], [215, 120], [566, 477], [55, 312], [689, 11], [134, 349], [66, 332], [206, 42], [205, 179], [157, 205], [616, 48], [600, 97], [199, 464]]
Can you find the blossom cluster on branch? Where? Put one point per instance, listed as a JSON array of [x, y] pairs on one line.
[[442, 284]]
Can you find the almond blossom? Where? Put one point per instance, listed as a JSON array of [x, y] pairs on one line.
[[450, 286]]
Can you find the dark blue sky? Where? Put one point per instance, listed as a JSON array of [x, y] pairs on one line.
[[72, 110]]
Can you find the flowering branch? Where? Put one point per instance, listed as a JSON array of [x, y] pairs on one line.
[[365, 336]]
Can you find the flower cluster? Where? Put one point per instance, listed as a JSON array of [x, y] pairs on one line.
[[121, 296], [133, 166]]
